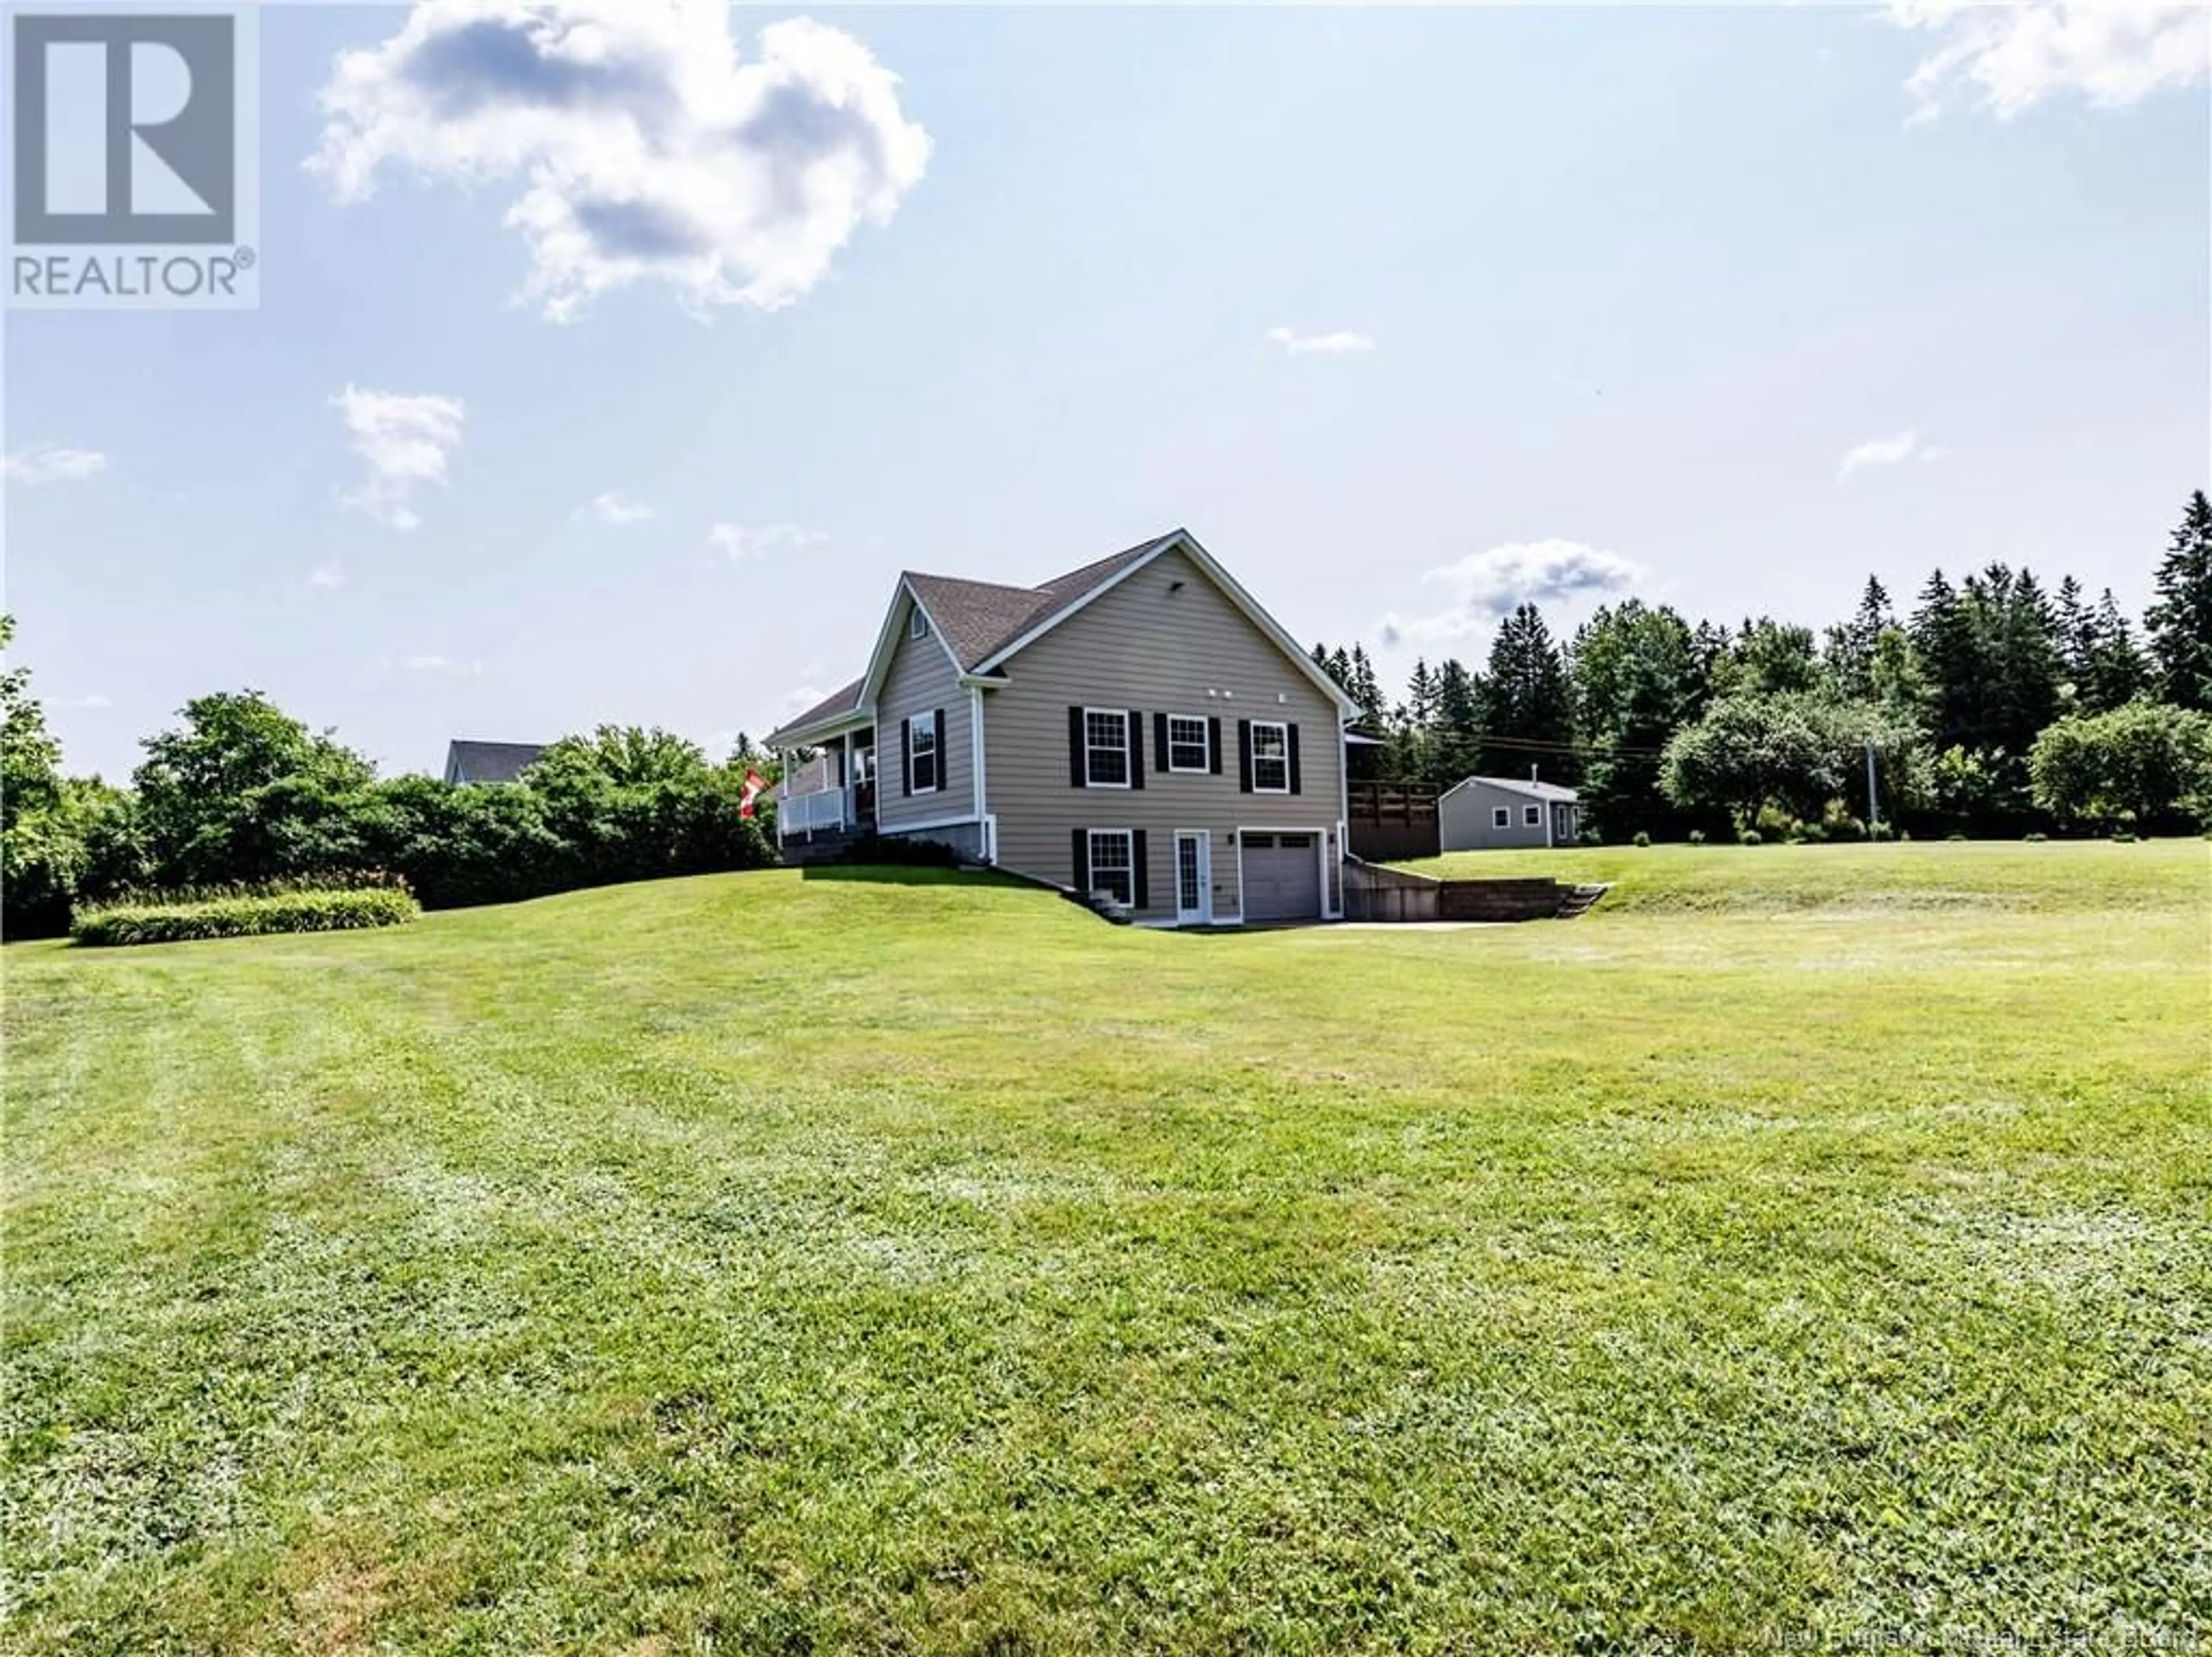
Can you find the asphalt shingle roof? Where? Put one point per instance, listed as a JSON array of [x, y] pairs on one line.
[[491, 762], [978, 618]]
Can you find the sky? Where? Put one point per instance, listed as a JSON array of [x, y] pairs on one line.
[[611, 359]]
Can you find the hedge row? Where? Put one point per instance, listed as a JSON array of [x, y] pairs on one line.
[[245, 914]]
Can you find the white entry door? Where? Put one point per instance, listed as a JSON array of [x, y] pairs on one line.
[[1194, 876]]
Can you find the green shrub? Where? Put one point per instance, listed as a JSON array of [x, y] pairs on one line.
[[333, 904], [1641, 838], [1748, 837], [1954, 835], [902, 851], [1697, 837], [1880, 831], [2124, 837], [2035, 837]]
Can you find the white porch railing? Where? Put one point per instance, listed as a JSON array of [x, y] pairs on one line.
[[811, 813]]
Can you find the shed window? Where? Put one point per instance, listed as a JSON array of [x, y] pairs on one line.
[[1532, 815], [1500, 817]]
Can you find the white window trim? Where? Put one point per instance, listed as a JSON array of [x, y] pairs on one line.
[[917, 623], [1532, 816], [1129, 749], [1204, 766], [1128, 839], [1501, 817], [1258, 726], [915, 728]]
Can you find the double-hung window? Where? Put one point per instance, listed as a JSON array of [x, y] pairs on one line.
[[1531, 815], [1114, 864], [1189, 749], [921, 756], [1271, 758], [1106, 747], [1500, 817]]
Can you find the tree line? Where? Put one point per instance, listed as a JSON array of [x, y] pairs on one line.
[[239, 792], [1991, 706]]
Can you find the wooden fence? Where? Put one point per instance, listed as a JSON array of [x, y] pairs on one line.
[[1387, 820]]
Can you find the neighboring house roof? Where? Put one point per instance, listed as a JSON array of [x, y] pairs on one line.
[[491, 762], [1520, 785], [982, 624]]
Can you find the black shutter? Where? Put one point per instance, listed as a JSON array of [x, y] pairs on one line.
[[1214, 745], [1075, 772], [1143, 886], [1244, 756], [939, 760], [1160, 741], [1082, 862], [1136, 749], [1294, 758], [906, 756]]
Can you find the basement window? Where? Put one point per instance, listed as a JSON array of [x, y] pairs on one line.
[[1113, 864]]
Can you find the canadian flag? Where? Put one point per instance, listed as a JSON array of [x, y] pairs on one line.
[[753, 783]]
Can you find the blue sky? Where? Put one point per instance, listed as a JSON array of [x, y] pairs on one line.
[[1403, 313]]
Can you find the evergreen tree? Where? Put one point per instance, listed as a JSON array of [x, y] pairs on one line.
[[1850, 654], [1459, 722], [1637, 681], [2076, 627], [1942, 638], [2114, 670], [2180, 621], [1527, 702], [1367, 690]]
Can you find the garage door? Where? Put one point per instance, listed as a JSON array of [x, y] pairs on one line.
[[1282, 878]]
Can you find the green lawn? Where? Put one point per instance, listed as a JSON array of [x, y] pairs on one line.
[[770, 1265], [1977, 875]]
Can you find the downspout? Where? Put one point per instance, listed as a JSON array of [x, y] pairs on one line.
[[984, 836]]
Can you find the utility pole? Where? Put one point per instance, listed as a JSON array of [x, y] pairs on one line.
[[1874, 809]]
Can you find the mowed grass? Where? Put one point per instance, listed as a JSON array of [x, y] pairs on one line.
[[763, 1264], [1975, 875]]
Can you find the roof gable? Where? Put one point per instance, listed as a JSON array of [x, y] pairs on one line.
[[981, 624]]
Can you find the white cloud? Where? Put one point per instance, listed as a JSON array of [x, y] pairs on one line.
[[327, 575], [91, 699], [612, 508], [643, 148], [741, 542], [1487, 585], [2011, 58], [1887, 452], [43, 463], [444, 665], [1321, 344], [405, 439]]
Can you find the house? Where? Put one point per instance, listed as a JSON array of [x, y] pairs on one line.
[[489, 762], [1484, 813], [1139, 729]]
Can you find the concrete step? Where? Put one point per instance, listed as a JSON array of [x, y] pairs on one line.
[[1580, 899]]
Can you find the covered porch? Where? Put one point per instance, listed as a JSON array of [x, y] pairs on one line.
[[828, 788]]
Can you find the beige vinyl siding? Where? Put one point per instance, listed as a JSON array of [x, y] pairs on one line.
[[1145, 647], [919, 681]]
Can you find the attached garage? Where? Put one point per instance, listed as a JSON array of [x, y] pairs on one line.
[[1282, 876]]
